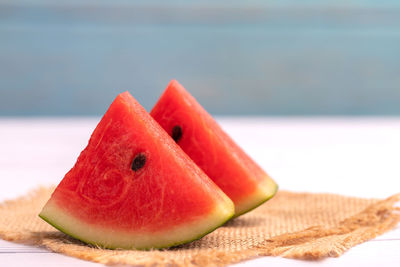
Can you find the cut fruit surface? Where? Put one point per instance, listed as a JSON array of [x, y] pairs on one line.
[[200, 136], [133, 187]]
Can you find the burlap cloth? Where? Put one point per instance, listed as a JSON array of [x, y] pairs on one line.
[[292, 225]]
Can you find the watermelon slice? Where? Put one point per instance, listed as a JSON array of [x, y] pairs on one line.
[[200, 136], [133, 187]]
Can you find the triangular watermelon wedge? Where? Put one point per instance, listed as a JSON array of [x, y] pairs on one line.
[[133, 187], [200, 136]]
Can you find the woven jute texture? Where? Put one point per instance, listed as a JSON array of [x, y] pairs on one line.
[[293, 225]]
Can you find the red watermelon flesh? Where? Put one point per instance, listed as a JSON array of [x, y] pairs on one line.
[[200, 136], [133, 187]]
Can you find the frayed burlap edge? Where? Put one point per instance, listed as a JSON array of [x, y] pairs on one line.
[[313, 243], [318, 242]]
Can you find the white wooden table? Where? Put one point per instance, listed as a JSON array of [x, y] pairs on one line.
[[350, 156]]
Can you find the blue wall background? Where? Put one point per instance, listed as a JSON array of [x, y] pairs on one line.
[[237, 57]]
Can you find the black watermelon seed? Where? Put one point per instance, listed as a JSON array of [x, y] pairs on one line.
[[138, 162], [177, 133]]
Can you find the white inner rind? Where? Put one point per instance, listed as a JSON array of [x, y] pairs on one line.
[[263, 192], [114, 238]]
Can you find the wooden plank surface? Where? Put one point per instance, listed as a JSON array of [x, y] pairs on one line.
[[351, 156]]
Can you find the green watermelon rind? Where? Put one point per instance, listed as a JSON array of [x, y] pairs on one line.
[[65, 231], [143, 248], [258, 204], [271, 194]]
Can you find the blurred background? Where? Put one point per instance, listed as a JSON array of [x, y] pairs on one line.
[[63, 58]]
